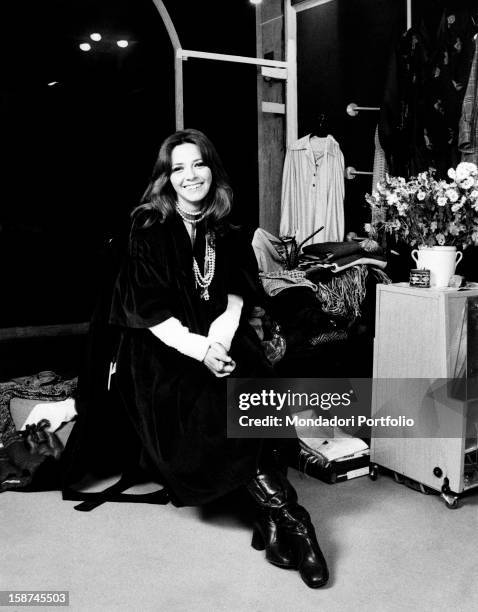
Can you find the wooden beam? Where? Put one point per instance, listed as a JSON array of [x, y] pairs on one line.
[[291, 54], [271, 125], [274, 73], [43, 331], [241, 59], [179, 92], [303, 5], [273, 107], [277, 17]]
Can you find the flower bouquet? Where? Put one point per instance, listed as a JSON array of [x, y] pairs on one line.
[[437, 216], [424, 211]]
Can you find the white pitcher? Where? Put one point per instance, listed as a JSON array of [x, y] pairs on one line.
[[440, 260]]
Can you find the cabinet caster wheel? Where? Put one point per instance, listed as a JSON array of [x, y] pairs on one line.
[[451, 501], [373, 474]]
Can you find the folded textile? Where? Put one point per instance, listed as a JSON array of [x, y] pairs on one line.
[[34, 381], [354, 260], [332, 251], [45, 386], [376, 261], [275, 282]]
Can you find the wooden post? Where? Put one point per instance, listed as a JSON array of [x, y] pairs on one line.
[[271, 125]]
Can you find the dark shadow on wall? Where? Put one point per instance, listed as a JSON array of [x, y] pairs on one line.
[[227, 113], [343, 53], [81, 131], [220, 98]]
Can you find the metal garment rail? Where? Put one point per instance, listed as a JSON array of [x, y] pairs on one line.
[[351, 173], [353, 109]]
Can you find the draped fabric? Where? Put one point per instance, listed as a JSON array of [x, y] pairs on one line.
[[44, 387], [175, 406], [379, 162], [468, 133], [267, 251], [313, 190]]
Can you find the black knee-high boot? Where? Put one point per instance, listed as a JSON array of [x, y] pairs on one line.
[[284, 529], [271, 491]]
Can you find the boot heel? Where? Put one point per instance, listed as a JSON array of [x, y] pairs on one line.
[[257, 540]]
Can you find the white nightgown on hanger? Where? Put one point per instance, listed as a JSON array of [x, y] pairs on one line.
[[313, 190]]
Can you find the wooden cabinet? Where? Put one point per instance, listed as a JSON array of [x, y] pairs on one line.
[[425, 367]]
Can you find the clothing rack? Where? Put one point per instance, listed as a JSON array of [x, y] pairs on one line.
[[351, 173], [353, 110]]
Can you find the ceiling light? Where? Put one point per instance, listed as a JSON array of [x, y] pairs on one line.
[[51, 83], [85, 46], [96, 36], [122, 43], [256, 1]]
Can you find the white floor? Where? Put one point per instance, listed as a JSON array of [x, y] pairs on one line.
[[388, 548]]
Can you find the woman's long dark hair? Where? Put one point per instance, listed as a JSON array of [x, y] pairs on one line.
[[159, 200]]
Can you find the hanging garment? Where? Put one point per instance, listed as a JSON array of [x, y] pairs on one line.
[[468, 134], [380, 167], [380, 170], [313, 190], [423, 97]]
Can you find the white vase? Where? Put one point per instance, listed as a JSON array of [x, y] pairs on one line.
[[440, 260]]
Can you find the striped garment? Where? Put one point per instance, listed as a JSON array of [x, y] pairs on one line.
[[468, 129]]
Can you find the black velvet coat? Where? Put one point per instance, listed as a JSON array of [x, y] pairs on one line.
[[175, 405]]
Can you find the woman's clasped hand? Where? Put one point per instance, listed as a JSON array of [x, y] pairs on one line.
[[218, 361]]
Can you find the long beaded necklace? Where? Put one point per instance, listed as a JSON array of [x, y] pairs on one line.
[[204, 280]]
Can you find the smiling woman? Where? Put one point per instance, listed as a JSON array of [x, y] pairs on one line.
[[181, 303], [190, 177]]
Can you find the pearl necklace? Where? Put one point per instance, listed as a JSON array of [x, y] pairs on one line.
[[183, 214], [204, 280], [189, 212]]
